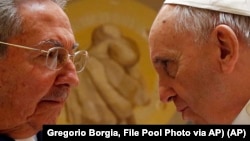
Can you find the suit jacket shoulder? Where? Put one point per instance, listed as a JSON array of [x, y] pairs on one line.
[[6, 138]]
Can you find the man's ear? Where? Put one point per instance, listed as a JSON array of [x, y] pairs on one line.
[[228, 45]]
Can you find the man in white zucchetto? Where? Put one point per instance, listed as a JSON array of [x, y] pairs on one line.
[[201, 52]]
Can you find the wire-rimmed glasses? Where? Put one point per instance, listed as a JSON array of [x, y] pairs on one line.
[[56, 57]]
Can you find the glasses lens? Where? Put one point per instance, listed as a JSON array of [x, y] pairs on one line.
[[56, 57], [80, 60]]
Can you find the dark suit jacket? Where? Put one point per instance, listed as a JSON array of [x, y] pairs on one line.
[[6, 138]]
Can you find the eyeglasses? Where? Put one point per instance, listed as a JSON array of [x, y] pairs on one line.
[[56, 57]]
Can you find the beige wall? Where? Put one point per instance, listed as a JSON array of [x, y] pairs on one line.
[[153, 112], [155, 4]]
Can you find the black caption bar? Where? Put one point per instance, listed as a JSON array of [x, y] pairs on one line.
[[116, 132]]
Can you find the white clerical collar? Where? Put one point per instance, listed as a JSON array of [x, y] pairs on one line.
[[33, 138], [239, 7], [244, 115]]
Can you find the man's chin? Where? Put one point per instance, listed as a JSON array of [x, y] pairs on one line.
[[192, 118]]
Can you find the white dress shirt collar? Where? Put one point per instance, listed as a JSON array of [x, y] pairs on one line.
[[33, 138]]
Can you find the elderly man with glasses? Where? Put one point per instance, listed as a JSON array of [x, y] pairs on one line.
[[39, 62]]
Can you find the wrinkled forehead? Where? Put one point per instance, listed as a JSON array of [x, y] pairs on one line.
[[39, 7], [165, 18], [42, 14], [44, 20]]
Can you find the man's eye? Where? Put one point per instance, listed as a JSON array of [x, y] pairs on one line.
[[164, 63], [161, 64], [167, 66]]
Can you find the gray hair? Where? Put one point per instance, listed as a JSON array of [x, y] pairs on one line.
[[201, 22], [10, 20]]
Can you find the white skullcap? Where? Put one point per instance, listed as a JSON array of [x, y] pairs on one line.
[[239, 7]]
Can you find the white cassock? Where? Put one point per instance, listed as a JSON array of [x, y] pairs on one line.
[[244, 115]]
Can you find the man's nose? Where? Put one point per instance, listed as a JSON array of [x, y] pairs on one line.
[[69, 75], [166, 94], [166, 90]]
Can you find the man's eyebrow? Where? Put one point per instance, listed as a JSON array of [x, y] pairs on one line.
[[56, 43], [50, 42]]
